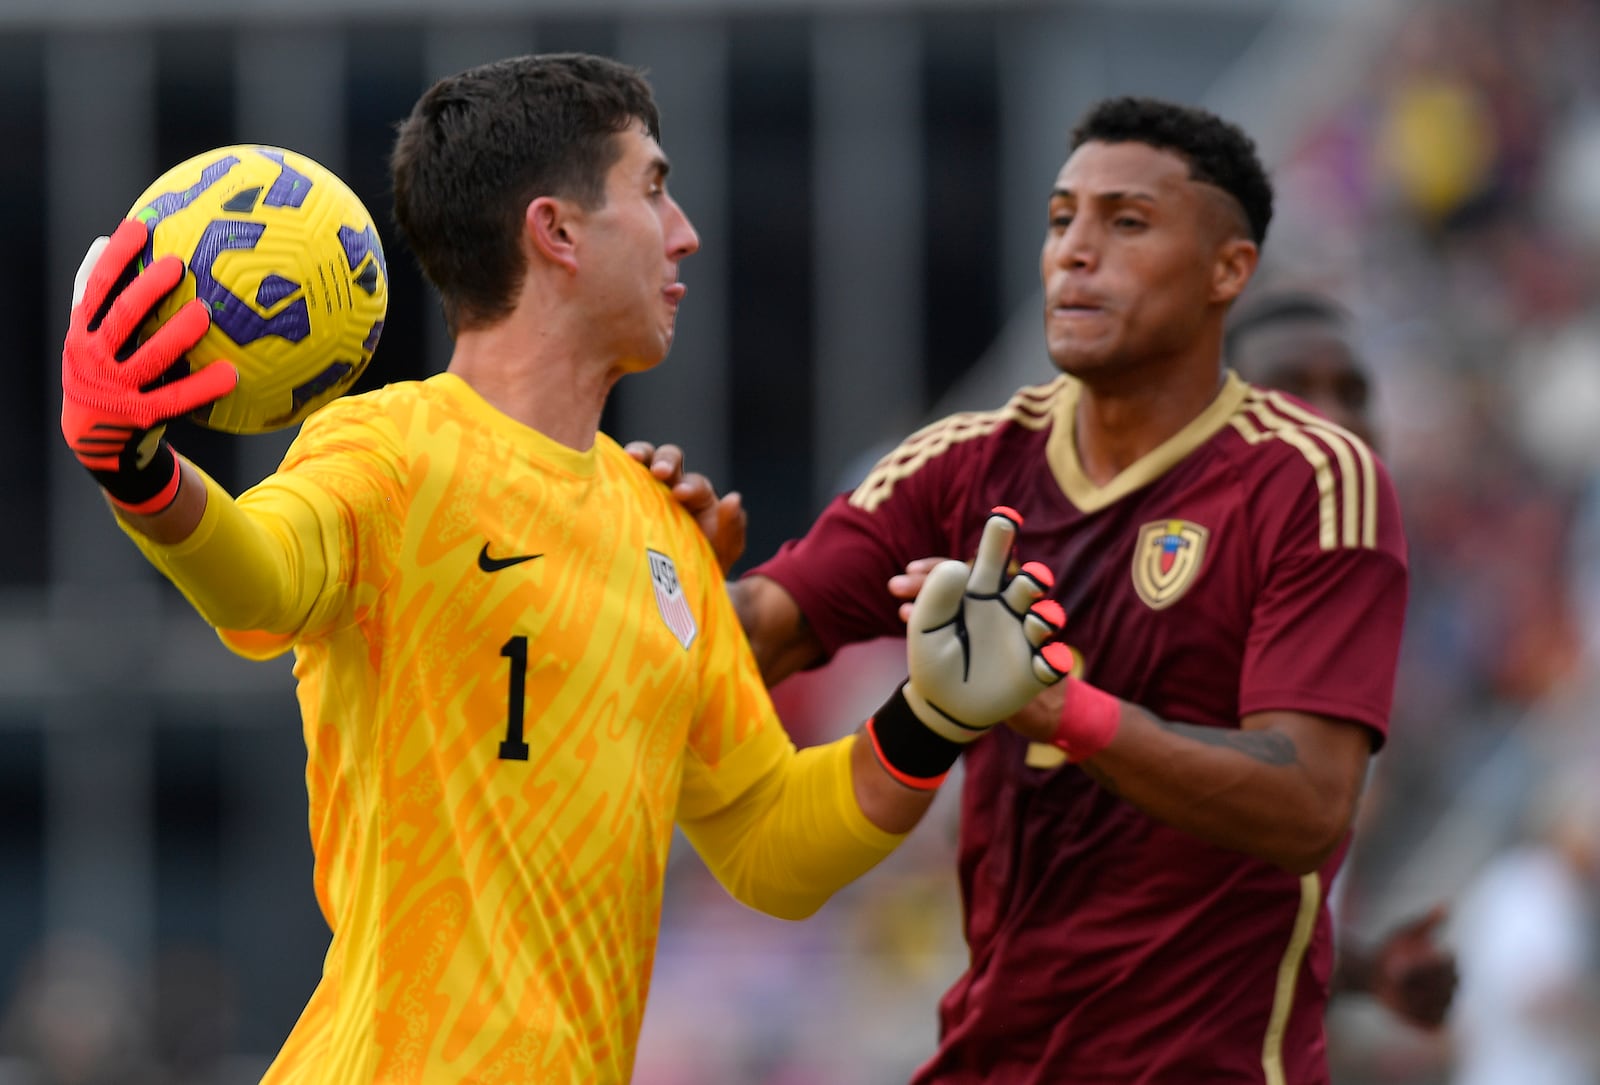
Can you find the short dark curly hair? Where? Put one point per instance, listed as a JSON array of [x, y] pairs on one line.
[[1218, 153]]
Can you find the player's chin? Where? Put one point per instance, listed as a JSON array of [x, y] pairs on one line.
[[1076, 358], [650, 356], [669, 331]]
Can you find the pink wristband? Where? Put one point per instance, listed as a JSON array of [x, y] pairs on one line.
[[1089, 720]]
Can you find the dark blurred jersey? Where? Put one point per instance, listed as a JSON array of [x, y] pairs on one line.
[[1255, 561]]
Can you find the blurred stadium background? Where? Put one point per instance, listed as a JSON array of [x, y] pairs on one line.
[[868, 178]]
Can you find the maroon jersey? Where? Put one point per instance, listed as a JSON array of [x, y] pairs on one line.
[[1254, 561]]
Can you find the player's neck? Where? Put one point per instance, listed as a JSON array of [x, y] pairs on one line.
[[1120, 422], [536, 379]]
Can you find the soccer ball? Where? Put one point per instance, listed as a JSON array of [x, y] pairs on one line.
[[288, 261]]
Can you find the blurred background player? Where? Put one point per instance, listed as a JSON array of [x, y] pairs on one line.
[[517, 661], [1304, 343]]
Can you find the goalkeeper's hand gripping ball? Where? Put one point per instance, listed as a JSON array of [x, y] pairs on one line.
[[120, 389]]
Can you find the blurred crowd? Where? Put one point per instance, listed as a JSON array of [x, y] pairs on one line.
[[1450, 197], [81, 1014]]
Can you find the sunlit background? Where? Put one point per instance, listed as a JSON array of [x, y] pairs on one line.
[[869, 179]]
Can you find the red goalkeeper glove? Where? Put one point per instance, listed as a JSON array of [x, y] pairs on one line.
[[975, 646], [118, 394]]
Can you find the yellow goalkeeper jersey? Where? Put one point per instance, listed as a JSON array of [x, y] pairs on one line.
[[518, 665]]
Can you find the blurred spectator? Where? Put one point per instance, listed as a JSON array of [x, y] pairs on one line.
[[192, 1032], [1527, 928], [1303, 342], [75, 1017]]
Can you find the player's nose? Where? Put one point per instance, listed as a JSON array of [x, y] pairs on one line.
[[682, 238], [1075, 248]]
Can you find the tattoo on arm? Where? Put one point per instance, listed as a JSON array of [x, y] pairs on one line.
[[1100, 776], [1267, 747]]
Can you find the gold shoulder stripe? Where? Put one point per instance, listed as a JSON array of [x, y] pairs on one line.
[[1274, 427], [1041, 396], [1030, 407], [1347, 504], [1247, 429], [1358, 448], [1305, 924]]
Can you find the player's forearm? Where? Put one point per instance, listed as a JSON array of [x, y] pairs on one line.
[[235, 570], [886, 802], [177, 521], [795, 840], [779, 636], [1249, 790]]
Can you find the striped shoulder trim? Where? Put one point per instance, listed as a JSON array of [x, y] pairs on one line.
[[1346, 473], [1031, 408]]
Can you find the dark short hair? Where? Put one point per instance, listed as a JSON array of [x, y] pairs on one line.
[[1256, 312], [479, 146], [1218, 153]]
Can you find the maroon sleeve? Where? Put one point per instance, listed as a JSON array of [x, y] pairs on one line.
[[839, 571], [1326, 625]]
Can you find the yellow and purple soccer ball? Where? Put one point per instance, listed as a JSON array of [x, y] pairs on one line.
[[289, 262]]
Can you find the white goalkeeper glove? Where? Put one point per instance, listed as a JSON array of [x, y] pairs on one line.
[[976, 653]]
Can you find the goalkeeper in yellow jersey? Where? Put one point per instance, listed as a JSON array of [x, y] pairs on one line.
[[517, 662]]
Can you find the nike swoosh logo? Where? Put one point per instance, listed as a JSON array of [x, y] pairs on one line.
[[494, 565]]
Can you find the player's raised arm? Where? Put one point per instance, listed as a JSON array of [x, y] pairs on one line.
[[116, 401], [118, 396]]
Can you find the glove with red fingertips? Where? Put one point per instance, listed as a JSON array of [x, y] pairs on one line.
[[118, 393], [976, 651]]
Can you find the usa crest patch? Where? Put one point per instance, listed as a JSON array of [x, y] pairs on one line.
[[669, 598]]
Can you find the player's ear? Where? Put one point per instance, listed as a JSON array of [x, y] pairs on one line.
[[1235, 263], [548, 223]]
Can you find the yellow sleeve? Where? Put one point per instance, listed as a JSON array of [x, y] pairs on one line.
[[259, 563], [793, 834], [303, 551], [781, 830]]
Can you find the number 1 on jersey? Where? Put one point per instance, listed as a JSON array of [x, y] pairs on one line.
[[516, 650]]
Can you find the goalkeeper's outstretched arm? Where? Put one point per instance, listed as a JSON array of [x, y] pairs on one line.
[[116, 402]]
